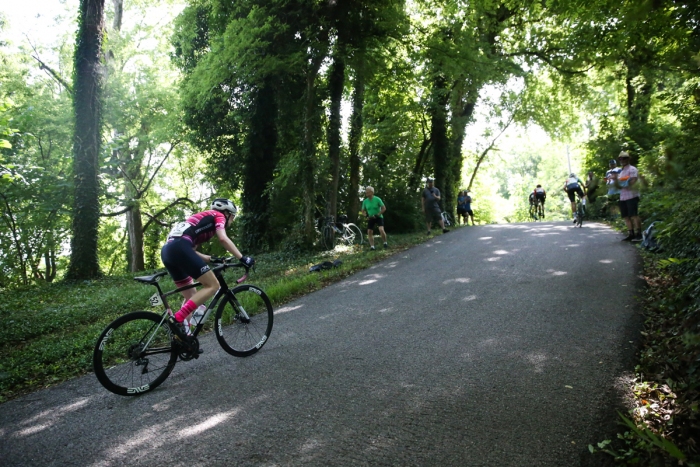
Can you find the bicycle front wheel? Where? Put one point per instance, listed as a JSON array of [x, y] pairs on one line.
[[352, 235], [243, 320], [134, 354]]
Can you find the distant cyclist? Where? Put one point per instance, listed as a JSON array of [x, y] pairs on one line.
[[184, 262], [574, 186], [541, 196]]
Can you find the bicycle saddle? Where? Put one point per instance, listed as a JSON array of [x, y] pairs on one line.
[[151, 279]]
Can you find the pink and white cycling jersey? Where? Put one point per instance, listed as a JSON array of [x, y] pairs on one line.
[[628, 192], [203, 226]]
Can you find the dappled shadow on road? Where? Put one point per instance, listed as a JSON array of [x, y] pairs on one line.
[[44, 420], [366, 405]]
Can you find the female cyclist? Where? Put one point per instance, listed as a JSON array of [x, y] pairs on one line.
[[184, 262]]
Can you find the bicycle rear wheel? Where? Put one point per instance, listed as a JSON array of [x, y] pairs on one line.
[[328, 237], [580, 213], [352, 235], [533, 212], [447, 219], [243, 320], [134, 354]]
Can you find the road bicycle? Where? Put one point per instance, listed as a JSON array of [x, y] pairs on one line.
[[539, 207], [340, 232], [580, 212], [446, 218], [138, 351], [536, 210], [533, 212]]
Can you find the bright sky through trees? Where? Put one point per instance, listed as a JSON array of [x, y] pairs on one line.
[[45, 23], [41, 20]]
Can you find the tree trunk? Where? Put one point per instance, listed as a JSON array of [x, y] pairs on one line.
[[356, 123], [439, 138], [260, 165], [639, 85], [335, 85], [417, 173], [50, 261], [134, 225], [12, 225], [307, 162], [118, 13], [461, 110], [86, 143]]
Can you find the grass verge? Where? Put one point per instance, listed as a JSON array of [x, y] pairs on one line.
[[49, 332]]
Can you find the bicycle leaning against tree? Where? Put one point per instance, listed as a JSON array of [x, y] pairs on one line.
[[342, 231]]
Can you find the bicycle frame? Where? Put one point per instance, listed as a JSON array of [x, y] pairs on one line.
[[223, 290]]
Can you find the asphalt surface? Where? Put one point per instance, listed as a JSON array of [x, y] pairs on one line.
[[499, 345]]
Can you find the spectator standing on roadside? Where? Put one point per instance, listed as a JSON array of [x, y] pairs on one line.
[[626, 181], [461, 212], [468, 207], [431, 207], [613, 191], [591, 186], [373, 208]]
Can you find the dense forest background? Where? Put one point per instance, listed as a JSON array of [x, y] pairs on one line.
[[291, 109], [124, 117]]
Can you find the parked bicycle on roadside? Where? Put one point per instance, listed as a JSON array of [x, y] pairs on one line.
[[341, 231], [138, 351]]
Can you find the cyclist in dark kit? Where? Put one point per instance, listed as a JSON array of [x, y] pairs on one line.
[[184, 262]]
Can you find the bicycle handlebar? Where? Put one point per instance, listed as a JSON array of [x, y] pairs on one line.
[[224, 263]]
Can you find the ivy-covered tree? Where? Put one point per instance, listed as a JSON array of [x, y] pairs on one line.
[[87, 142]]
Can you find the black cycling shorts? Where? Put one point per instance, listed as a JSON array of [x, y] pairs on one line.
[[541, 196], [373, 221], [572, 193], [629, 207], [181, 260]]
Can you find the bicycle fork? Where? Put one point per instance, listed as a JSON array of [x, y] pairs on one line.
[[240, 311]]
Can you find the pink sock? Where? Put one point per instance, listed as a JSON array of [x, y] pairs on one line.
[[186, 309]]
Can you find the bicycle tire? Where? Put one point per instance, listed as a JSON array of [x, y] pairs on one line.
[[134, 354], [352, 235], [446, 219], [580, 213], [328, 237], [237, 335], [533, 213]]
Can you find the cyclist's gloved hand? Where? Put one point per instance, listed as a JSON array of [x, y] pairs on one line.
[[247, 261]]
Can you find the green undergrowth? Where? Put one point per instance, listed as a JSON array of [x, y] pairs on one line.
[[662, 427], [48, 332]]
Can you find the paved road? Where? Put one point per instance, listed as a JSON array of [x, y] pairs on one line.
[[494, 345]]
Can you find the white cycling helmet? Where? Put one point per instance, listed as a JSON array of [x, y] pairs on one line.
[[223, 204]]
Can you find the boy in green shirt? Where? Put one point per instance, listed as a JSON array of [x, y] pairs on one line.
[[373, 208]]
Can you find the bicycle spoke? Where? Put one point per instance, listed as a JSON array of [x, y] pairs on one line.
[[243, 324], [134, 354]]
